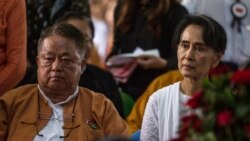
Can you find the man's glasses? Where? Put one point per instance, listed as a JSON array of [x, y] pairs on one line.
[[47, 60], [45, 116], [88, 39]]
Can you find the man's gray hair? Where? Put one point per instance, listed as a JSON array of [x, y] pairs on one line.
[[67, 31]]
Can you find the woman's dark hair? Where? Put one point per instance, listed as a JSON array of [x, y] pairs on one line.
[[214, 35], [76, 15], [156, 9], [67, 31]]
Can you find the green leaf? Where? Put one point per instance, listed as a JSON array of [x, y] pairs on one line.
[[210, 136], [209, 121], [229, 97], [242, 110]]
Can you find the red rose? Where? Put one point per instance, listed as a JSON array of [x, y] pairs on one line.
[[224, 118], [247, 130], [241, 77], [195, 101], [197, 125], [190, 121], [220, 69], [186, 124]]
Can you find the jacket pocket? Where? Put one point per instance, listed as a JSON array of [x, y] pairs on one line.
[[93, 134]]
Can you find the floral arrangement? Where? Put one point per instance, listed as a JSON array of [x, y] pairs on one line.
[[220, 111]]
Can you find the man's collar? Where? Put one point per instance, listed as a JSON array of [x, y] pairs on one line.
[[62, 102]]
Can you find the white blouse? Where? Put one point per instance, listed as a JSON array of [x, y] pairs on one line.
[[162, 114]]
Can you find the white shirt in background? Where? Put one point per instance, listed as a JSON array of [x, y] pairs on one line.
[[101, 37]]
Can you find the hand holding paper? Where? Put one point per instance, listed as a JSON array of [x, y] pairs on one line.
[[128, 57], [122, 66], [151, 62]]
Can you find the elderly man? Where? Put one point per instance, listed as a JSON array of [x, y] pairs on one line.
[[57, 108], [93, 78]]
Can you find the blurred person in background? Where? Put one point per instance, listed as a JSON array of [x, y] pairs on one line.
[[13, 43], [147, 24], [98, 9], [109, 17]]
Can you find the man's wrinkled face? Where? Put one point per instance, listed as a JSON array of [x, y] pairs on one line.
[[59, 64]]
